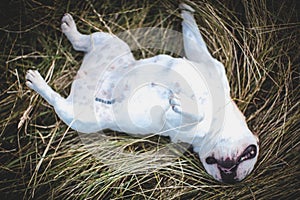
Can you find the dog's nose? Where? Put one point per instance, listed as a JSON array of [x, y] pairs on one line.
[[228, 177], [227, 164], [228, 170]]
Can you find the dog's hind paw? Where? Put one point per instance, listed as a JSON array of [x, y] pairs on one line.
[[68, 23], [35, 81]]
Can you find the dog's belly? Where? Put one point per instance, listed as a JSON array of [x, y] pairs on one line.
[[140, 102], [142, 112]]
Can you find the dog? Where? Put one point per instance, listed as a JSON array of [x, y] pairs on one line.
[[187, 99]]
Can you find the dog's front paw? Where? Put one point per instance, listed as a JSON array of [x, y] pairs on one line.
[[186, 7], [189, 110], [175, 104], [68, 23], [35, 81]]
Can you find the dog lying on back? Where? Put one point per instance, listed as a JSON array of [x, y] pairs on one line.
[[185, 99]]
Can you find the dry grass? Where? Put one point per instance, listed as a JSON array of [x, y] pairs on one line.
[[258, 41]]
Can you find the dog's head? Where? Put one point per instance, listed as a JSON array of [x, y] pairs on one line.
[[231, 161], [230, 154]]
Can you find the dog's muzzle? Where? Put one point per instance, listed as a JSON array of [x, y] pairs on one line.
[[228, 170], [229, 167]]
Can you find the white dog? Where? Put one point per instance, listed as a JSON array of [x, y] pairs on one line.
[[185, 99]]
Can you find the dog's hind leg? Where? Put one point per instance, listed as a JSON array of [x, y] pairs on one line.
[[63, 107], [79, 41], [36, 82], [82, 42]]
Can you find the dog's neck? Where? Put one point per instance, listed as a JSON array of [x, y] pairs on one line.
[[230, 127], [234, 124]]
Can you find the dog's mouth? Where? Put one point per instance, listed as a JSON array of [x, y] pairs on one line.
[[228, 167]]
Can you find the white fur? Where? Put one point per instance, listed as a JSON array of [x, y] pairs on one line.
[[185, 99]]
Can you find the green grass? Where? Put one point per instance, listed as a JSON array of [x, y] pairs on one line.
[[258, 42]]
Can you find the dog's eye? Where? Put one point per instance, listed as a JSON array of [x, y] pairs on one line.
[[249, 153], [210, 160]]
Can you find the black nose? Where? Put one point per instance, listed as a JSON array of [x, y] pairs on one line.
[[228, 170], [229, 178], [227, 164]]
